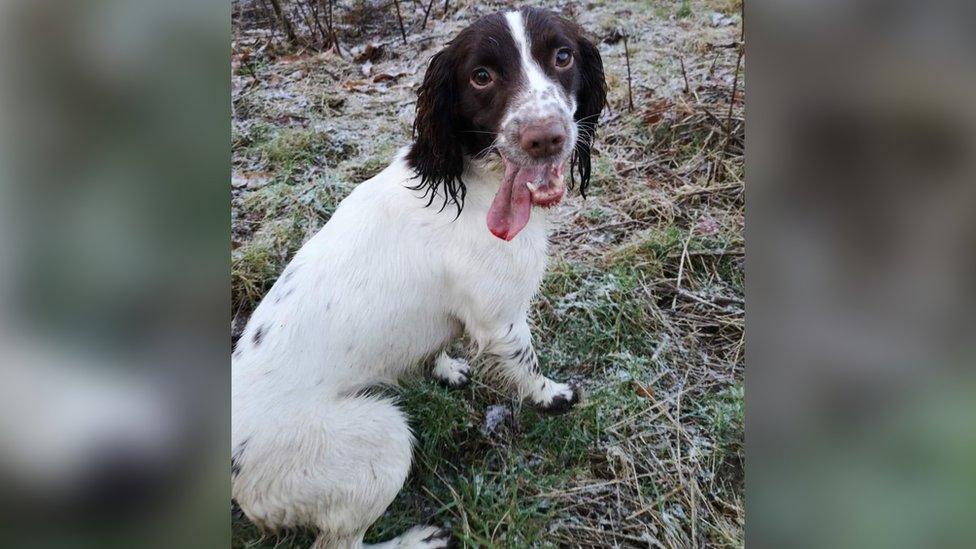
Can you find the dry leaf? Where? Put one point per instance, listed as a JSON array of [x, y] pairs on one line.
[[655, 111], [642, 390], [293, 58], [371, 52], [707, 226], [356, 85], [251, 180], [384, 76]]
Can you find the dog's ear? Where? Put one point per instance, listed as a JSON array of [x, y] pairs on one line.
[[590, 100], [436, 155]]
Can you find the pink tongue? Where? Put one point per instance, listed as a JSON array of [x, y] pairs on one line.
[[509, 212]]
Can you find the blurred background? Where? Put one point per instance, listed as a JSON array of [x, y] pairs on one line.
[[861, 228], [114, 163]]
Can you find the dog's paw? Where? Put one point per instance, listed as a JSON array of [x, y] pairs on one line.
[[452, 372], [425, 537], [556, 398]]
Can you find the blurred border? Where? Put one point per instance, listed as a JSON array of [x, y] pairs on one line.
[[114, 285], [861, 232]]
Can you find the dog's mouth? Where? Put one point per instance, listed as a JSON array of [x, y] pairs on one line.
[[521, 188]]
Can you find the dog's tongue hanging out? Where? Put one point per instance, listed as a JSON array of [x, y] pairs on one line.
[[522, 188]]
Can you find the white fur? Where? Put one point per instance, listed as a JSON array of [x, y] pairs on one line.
[[386, 284], [453, 371], [537, 80]]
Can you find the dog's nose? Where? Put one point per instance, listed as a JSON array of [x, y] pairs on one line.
[[542, 140]]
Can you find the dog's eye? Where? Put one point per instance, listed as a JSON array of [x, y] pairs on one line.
[[563, 58], [481, 78]]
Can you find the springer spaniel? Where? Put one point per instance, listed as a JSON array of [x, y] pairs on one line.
[[392, 279]]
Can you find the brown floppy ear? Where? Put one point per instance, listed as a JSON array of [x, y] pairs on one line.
[[590, 100], [436, 154]]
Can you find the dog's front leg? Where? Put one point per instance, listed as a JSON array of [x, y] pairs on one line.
[[511, 355]]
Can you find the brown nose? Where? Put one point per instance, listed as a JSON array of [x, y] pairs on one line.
[[542, 140]]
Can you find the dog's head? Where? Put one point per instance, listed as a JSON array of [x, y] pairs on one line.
[[525, 85]]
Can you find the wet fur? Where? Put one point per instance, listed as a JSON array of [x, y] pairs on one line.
[[452, 123]]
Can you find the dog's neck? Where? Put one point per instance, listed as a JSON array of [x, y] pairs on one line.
[[482, 178], [489, 167]]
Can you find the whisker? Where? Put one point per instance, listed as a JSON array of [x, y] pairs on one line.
[[487, 149], [588, 117], [586, 132]]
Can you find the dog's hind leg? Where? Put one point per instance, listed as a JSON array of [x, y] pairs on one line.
[[335, 465]]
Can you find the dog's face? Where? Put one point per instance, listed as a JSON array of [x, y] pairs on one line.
[[525, 85]]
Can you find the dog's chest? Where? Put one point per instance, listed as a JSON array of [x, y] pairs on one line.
[[487, 268]]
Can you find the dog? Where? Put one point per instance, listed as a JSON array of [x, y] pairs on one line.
[[450, 237]]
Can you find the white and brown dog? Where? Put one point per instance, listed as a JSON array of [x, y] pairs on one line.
[[390, 281]]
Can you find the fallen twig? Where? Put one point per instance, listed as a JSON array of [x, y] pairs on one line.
[[707, 190], [703, 301], [697, 253], [601, 227]]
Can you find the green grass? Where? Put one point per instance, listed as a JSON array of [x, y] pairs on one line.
[[292, 145], [723, 414], [587, 314], [285, 215], [289, 148], [490, 489]]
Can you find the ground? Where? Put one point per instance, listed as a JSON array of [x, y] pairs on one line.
[[642, 305]]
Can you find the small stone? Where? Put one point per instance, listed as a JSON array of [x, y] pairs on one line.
[[495, 415]]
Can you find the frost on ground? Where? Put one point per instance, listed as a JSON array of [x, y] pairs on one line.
[[643, 303]]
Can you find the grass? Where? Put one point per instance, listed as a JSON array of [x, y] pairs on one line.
[[725, 415], [296, 146], [641, 305], [587, 314], [286, 215]]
